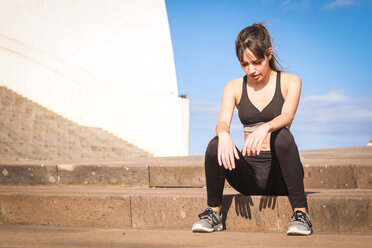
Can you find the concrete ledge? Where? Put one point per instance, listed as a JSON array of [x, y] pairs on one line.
[[330, 210], [28, 174], [63, 210], [125, 174], [364, 176], [331, 173], [330, 176], [191, 175], [181, 172], [337, 213], [354, 153]]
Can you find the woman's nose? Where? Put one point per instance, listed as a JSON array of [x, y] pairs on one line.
[[251, 70]]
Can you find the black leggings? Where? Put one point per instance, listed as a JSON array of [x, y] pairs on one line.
[[275, 172]]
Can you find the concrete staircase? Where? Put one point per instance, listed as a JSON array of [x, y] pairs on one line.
[[168, 193], [30, 131]]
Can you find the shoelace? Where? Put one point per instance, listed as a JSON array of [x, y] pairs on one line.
[[208, 214], [301, 217]]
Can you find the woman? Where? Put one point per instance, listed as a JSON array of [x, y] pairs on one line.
[[269, 163]]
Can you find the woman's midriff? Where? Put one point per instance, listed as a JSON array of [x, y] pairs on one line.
[[265, 144]]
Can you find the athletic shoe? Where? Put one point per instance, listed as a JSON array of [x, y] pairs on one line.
[[300, 224], [210, 220]]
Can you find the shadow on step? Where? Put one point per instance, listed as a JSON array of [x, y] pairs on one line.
[[249, 207], [244, 203]]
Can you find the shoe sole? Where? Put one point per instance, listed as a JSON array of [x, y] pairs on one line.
[[202, 229], [296, 232]]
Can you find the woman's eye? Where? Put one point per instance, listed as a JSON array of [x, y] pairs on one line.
[[257, 62]]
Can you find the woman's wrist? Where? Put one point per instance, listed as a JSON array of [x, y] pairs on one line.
[[268, 127], [223, 133]]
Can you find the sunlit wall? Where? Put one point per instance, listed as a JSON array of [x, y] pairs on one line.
[[105, 64]]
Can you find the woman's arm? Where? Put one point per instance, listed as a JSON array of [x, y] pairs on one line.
[[254, 141], [226, 148], [290, 105]]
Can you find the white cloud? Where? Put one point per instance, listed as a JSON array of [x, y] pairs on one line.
[[334, 113], [295, 4], [339, 3], [331, 98]]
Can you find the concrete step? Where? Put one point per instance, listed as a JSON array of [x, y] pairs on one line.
[[335, 211], [331, 173], [22, 236], [319, 173]]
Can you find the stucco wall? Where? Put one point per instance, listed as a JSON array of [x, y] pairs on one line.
[[105, 64]]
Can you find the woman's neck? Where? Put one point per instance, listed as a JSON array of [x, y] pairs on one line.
[[261, 84]]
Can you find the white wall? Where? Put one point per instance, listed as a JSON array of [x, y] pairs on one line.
[[99, 63]]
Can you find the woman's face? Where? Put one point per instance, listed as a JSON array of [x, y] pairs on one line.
[[255, 68]]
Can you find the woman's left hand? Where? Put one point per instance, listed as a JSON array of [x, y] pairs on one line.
[[252, 145]]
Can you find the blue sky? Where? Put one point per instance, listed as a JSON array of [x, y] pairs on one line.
[[327, 43]]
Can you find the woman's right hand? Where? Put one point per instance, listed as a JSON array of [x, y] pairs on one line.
[[226, 151]]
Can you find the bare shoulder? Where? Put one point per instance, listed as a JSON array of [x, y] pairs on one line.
[[290, 82], [235, 83], [290, 79], [233, 89], [234, 86]]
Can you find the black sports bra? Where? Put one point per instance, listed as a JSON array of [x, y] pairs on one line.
[[250, 116]]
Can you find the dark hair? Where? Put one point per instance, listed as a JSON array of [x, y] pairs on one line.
[[257, 39]]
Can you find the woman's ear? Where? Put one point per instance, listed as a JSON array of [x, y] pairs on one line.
[[269, 53]]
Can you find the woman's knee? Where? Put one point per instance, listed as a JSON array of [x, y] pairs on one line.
[[283, 140], [212, 148]]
